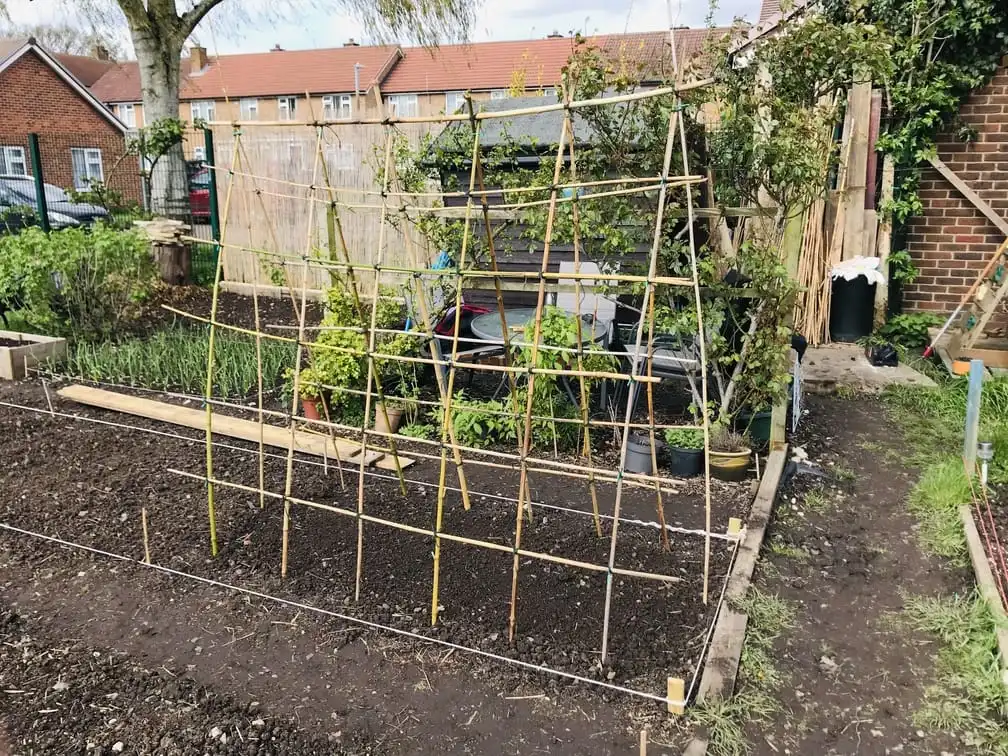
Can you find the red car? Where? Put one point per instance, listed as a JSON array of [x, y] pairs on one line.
[[199, 190]]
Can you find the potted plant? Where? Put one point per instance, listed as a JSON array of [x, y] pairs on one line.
[[729, 455], [686, 448], [391, 409], [309, 392]]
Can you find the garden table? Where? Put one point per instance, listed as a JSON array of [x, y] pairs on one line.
[[487, 327]]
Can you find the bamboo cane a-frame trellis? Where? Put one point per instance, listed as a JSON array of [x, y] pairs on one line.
[[365, 280]]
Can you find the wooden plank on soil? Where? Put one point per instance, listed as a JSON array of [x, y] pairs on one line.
[[988, 588], [759, 517], [247, 430], [721, 667]]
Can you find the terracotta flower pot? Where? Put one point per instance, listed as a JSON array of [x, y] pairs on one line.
[[395, 415], [311, 408]]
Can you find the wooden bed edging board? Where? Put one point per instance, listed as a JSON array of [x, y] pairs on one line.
[[988, 589], [725, 653], [246, 430]]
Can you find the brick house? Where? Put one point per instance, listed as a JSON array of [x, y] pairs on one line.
[[951, 240], [79, 139], [350, 81]]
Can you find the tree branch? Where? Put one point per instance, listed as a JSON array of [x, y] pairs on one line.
[[194, 15]]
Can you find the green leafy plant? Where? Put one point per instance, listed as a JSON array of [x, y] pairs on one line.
[[684, 438], [902, 268], [83, 283], [908, 329], [175, 359]]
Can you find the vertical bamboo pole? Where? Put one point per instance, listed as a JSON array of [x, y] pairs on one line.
[[448, 419], [700, 325], [645, 308], [333, 217], [289, 476], [208, 395], [512, 378], [537, 335], [146, 539], [379, 254], [585, 398]]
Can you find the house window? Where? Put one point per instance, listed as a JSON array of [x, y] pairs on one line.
[[87, 167], [287, 106], [12, 161], [337, 107], [203, 109], [549, 92], [401, 105], [340, 157], [454, 102], [199, 153], [249, 108], [126, 112], [498, 94]]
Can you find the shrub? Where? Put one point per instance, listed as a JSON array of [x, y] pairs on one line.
[[76, 282]]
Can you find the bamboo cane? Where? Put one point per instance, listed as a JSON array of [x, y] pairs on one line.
[[404, 527], [146, 539], [371, 376], [289, 476], [483, 115], [537, 335], [211, 514], [576, 224]]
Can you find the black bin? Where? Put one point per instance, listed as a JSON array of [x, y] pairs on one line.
[[853, 309]]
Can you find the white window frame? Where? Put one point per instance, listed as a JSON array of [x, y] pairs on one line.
[[199, 153], [402, 105], [341, 157], [287, 108], [549, 92], [11, 154], [94, 169], [498, 94], [248, 108], [454, 101], [203, 109], [126, 112], [337, 107]]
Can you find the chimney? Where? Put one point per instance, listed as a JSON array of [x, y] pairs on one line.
[[350, 43], [555, 35], [100, 52], [276, 48], [197, 59]]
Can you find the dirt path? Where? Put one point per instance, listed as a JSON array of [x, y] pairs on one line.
[[845, 554]]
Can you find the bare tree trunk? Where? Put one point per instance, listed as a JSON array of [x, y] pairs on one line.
[[158, 56]]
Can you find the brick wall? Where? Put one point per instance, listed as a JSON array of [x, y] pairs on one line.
[[951, 241], [33, 98]]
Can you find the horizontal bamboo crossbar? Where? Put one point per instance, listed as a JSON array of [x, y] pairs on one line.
[[484, 115], [588, 566]]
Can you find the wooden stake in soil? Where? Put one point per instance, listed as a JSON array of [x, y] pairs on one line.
[[146, 539], [218, 273], [676, 694]]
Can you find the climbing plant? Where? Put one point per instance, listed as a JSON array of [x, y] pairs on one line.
[[939, 51]]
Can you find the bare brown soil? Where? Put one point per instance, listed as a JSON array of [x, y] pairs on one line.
[[318, 680], [854, 675]]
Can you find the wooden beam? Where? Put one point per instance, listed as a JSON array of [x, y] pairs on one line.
[[857, 169], [971, 196], [317, 445], [883, 241], [988, 588], [991, 357]]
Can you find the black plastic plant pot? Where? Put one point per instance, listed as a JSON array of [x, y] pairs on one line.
[[755, 425], [852, 310], [685, 463]]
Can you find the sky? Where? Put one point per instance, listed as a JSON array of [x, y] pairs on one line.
[[497, 20]]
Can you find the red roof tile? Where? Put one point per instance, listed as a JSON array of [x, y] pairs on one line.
[[286, 72], [484, 65], [491, 65], [87, 70]]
